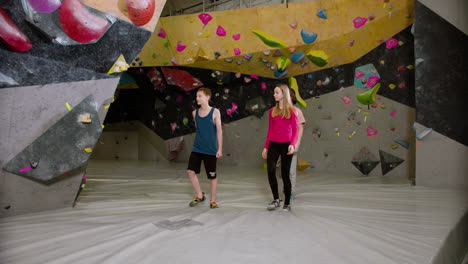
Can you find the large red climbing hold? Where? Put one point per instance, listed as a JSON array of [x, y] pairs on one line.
[[11, 35], [79, 24], [140, 12]]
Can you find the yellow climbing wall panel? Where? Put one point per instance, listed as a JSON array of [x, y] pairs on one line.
[[186, 41]]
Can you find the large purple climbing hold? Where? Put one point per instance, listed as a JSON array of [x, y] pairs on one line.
[[45, 6]]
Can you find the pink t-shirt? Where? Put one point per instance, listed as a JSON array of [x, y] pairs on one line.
[[300, 116], [281, 129]]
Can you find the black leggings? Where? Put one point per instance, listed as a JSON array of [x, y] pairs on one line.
[[275, 150]]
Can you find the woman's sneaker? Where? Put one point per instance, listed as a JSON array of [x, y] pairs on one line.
[[197, 200], [273, 205], [213, 205], [287, 208]]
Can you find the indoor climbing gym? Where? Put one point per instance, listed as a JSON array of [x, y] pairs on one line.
[[233, 131]]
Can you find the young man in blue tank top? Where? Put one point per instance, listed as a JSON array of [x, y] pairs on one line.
[[207, 147]]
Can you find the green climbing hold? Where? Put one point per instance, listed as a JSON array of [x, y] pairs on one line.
[[368, 98], [269, 40]]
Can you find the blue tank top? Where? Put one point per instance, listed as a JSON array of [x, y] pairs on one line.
[[205, 139]]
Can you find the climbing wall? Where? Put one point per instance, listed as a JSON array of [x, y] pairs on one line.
[[440, 94], [277, 41], [343, 135], [166, 95], [61, 63]]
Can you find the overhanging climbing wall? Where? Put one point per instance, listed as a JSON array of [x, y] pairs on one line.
[[305, 36]]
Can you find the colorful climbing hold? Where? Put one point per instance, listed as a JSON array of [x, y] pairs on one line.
[[283, 63], [269, 40], [308, 37], [368, 98], [391, 43], [359, 22], [180, 46], [293, 85], [322, 13], [162, 33], [371, 131], [205, 18], [45, 6], [346, 99], [318, 57], [220, 31], [236, 36]]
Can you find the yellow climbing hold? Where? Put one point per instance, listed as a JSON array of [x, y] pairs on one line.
[[302, 164], [269, 40], [382, 62], [88, 150], [318, 57], [392, 86], [68, 106], [283, 63], [401, 43], [410, 67], [293, 84]]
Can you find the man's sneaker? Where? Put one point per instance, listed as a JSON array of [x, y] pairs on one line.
[[197, 199], [287, 208], [213, 205], [273, 205]]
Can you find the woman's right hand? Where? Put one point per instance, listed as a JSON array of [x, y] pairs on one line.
[[264, 153]]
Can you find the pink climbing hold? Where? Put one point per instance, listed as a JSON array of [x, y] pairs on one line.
[[237, 51], [205, 18], [220, 31], [254, 76], [264, 86], [371, 131], [180, 47], [162, 33], [232, 110], [358, 74], [391, 43], [371, 81], [25, 169], [393, 113], [346, 99], [359, 22], [236, 36]]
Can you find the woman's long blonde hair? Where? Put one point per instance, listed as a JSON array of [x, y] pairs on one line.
[[287, 103]]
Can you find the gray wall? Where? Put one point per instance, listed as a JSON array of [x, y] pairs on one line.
[[26, 113], [130, 141], [441, 158], [441, 161]]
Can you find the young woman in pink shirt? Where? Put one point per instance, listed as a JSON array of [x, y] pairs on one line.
[[280, 142]]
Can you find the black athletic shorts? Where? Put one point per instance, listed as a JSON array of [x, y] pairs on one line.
[[209, 161]]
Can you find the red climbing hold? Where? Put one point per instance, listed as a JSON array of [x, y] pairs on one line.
[[140, 11], [11, 35], [79, 24]]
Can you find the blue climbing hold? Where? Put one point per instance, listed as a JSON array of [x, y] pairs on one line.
[[280, 74], [308, 37], [322, 13], [402, 143], [297, 56]]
